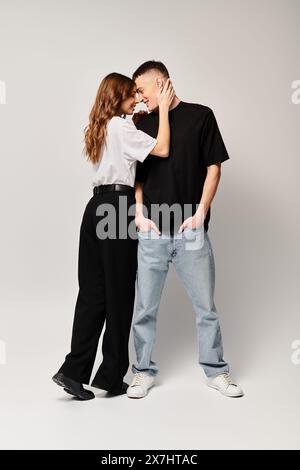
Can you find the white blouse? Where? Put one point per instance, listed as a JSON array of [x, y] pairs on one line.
[[125, 144]]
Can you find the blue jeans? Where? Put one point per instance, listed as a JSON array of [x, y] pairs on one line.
[[192, 255]]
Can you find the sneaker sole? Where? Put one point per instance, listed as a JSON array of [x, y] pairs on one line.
[[225, 394], [141, 396]]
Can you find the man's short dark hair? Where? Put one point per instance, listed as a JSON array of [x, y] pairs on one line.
[[151, 65]]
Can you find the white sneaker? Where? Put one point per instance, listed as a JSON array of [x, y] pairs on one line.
[[225, 385], [140, 386]]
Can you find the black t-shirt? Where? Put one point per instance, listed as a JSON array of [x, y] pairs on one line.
[[196, 143]]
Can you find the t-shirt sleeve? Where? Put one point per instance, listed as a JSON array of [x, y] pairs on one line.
[[136, 143], [213, 149]]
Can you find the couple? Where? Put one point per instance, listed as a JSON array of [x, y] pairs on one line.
[[169, 158]]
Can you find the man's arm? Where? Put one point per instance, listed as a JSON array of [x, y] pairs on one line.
[[213, 153], [142, 223], [138, 198], [209, 190]]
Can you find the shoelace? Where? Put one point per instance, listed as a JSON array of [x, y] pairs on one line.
[[138, 378], [226, 379]]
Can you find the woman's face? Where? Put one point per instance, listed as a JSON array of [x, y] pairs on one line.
[[128, 105]]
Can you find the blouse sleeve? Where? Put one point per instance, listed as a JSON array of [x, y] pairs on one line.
[[136, 143]]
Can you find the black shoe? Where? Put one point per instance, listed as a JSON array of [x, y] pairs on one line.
[[72, 387]]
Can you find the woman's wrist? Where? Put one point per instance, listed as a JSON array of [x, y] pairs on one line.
[[163, 108]]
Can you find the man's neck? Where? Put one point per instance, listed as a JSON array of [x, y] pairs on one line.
[[173, 105]]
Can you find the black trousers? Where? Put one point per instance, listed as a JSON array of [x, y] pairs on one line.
[[106, 275]]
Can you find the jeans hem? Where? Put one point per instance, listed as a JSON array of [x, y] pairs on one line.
[[222, 371], [150, 372]]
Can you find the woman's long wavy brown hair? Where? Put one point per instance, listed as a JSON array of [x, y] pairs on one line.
[[113, 89]]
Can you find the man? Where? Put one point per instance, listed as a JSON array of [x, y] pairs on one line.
[[186, 180]]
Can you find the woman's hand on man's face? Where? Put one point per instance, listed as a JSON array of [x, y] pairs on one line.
[[166, 95]]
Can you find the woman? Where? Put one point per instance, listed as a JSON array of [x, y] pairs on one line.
[[107, 261]]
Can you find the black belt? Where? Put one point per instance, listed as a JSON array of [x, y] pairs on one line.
[[103, 188]]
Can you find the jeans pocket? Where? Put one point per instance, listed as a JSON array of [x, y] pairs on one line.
[[189, 231], [144, 233], [148, 234], [194, 238]]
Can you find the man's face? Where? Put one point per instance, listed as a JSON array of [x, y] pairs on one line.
[[148, 87]]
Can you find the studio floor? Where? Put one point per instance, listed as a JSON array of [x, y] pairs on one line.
[[181, 412]]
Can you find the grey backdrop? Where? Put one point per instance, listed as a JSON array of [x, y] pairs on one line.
[[239, 57]]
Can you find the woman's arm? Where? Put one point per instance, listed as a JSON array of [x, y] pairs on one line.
[[166, 97]]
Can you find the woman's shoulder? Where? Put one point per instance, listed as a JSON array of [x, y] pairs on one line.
[[117, 122]]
